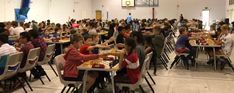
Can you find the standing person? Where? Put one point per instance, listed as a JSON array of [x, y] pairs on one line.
[[129, 18], [158, 42]]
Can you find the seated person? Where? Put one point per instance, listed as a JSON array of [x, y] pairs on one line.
[[38, 42], [5, 49], [139, 39], [24, 46], [130, 64], [225, 39], [183, 46], [74, 58]]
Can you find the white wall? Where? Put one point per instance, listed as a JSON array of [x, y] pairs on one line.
[[167, 9], [61, 10], [40, 10]]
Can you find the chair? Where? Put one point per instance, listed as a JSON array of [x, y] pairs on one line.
[[21, 14], [59, 62], [48, 57], [178, 58], [32, 59], [11, 65], [148, 66], [132, 87]]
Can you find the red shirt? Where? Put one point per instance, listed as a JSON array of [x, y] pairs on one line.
[[73, 59], [131, 62], [25, 49], [84, 49]]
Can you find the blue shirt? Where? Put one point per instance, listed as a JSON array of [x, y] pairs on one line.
[[129, 19], [182, 42]]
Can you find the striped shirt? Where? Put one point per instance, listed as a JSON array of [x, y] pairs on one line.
[[7, 49]]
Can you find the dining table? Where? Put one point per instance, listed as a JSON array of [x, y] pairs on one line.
[[204, 40], [101, 64]]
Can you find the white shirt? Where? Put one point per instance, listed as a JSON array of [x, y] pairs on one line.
[[7, 49], [18, 30], [28, 29], [227, 43]]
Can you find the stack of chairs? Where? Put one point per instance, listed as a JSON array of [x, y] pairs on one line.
[[168, 47]]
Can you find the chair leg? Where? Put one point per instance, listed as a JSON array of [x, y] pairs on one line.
[[28, 84], [149, 84], [41, 80], [68, 89], [175, 61], [164, 64], [63, 89], [22, 85], [47, 76], [142, 90], [30, 76], [151, 77], [53, 69], [74, 88], [229, 63]]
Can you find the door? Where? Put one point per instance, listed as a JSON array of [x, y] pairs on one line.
[[98, 14]]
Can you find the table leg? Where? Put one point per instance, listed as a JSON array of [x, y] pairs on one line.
[[112, 82], [214, 59], [84, 81]]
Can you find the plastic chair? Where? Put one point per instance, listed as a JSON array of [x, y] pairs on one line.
[[148, 66], [133, 87], [32, 59], [48, 57], [11, 66], [59, 62]]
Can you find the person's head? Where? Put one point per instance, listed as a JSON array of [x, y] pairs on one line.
[[225, 29], [14, 23], [34, 33], [26, 25], [76, 40], [95, 38], [88, 39], [3, 39], [129, 14], [138, 37], [24, 37], [130, 45], [183, 31]]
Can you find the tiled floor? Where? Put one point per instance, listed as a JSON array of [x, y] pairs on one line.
[[177, 80]]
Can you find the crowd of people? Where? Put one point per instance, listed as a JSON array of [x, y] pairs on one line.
[[134, 37]]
